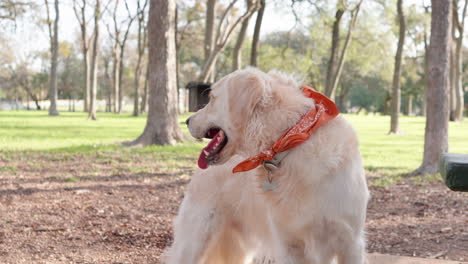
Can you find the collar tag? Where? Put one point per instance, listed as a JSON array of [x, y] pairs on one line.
[[270, 166]]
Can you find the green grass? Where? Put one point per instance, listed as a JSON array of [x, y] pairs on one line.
[[71, 134]]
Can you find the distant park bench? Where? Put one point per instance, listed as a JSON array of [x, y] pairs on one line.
[[454, 171]]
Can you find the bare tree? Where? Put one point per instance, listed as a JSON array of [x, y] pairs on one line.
[[335, 63], [53, 35], [80, 13], [237, 53], [223, 35], [141, 47], [94, 62], [436, 134], [162, 126], [119, 35], [458, 30], [256, 35], [396, 91]]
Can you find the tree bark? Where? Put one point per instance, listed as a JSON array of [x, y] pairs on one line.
[[162, 126], [94, 62], [396, 91], [237, 52], [53, 34], [256, 35], [436, 132]]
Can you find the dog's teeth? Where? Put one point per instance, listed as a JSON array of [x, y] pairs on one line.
[[206, 153]]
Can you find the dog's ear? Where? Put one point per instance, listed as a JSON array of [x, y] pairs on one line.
[[248, 91]]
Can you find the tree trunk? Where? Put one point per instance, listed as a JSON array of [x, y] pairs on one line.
[[459, 95], [336, 77], [459, 26], [116, 77], [121, 68], [256, 35], [409, 105], [136, 98], [387, 102], [436, 132], [334, 49], [237, 52], [80, 13], [53, 93], [396, 92], [144, 99], [108, 85], [426, 71], [94, 62], [162, 126], [341, 103], [210, 27], [176, 36], [141, 47], [35, 99], [452, 77]]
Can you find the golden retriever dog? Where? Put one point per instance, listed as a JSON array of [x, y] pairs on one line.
[[314, 212]]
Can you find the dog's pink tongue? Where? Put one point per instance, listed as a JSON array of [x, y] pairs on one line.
[[203, 159]]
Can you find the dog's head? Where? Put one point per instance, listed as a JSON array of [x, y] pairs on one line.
[[240, 116]]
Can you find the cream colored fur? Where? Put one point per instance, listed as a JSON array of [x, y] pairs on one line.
[[317, 212]]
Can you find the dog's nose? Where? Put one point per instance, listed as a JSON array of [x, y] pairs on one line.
[[187, 121]]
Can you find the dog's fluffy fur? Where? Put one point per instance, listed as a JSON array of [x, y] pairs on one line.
[[314, 215]]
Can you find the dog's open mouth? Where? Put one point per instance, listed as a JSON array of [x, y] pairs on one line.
[[210, 154]]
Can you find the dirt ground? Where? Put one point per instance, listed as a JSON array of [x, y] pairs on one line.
[[80, 209]]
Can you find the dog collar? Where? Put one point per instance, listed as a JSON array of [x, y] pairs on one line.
[[323, 111]]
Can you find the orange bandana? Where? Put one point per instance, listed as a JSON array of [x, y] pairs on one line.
[[323, 111]]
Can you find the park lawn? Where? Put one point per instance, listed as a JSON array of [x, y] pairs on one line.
[[33, 134]]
